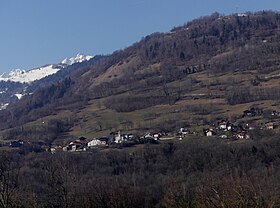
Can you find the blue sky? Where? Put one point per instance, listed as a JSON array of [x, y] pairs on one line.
[[38, 32]]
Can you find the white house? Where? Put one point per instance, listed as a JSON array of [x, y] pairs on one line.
[[183, 131], [96, 142], [156, 136], [103, 141], [223, 125], [118, 138], [242, 135], [209, 132]]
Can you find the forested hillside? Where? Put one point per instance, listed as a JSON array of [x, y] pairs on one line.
[[210, 68], [192, 173]]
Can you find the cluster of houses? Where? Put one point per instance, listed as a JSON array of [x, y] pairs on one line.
[[226, 129], [255, 111], [223, 129], [28, 146], [116, 139]]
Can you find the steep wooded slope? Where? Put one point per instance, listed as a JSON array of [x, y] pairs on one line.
[[212, 67]]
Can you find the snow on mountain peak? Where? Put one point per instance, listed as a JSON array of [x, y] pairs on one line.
[[23, 76], [15, 72], [78, 59], [28, 76]]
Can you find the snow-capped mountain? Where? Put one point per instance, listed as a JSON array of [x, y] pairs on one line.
[[78, 59], [29, 76], [18, 83], [23, 76]]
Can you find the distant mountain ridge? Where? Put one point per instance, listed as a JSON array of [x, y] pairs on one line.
[[29, 76], [78, 59], [17, 83]]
